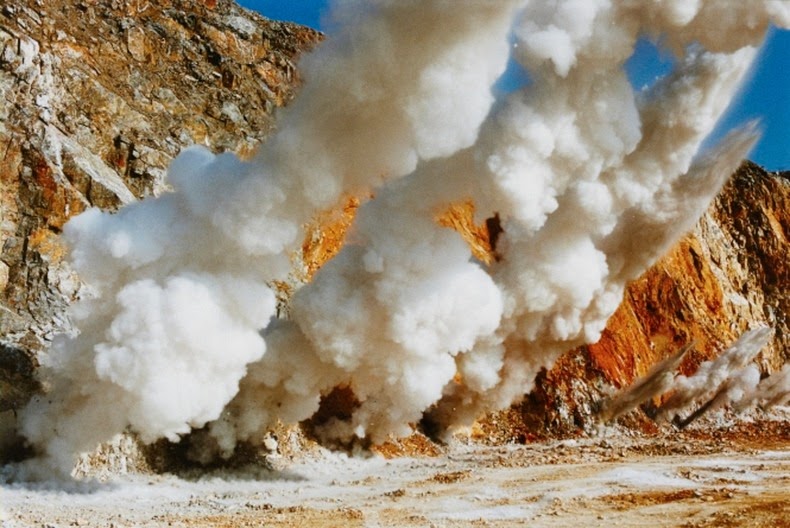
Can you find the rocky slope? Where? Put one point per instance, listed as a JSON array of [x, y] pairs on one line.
[[96, 98]]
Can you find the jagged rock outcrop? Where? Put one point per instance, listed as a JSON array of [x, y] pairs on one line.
[[96, 98]]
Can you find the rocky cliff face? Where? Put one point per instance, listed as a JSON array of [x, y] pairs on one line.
[[96, 98]]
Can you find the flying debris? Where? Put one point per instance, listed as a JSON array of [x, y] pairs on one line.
[[731, 390], [728, 380], [591, 182], [655, 383], [715, 382]]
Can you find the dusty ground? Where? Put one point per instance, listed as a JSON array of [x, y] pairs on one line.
[[737, 475]]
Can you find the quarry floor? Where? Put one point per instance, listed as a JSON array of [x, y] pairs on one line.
[[734, 476]]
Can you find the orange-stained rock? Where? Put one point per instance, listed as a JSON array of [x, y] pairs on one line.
[[623, 350], [728, 275], [460, 217], [325, 236]]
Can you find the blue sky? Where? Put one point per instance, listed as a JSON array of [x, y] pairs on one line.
[[766, 95]]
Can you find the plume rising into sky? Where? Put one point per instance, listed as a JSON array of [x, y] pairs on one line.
[[591, 182]]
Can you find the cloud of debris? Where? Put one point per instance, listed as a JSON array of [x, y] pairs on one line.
[[590, 180]]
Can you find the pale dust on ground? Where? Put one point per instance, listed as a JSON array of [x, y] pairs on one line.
[[734, 476]]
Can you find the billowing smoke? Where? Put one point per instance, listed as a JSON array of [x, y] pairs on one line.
[[590, 180]]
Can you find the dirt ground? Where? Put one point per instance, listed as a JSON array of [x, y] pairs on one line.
[[732, 475]]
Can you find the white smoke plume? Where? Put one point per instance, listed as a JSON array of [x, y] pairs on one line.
[[771, 392], [728, 381], [775, 390], [732, 390], [591, 181]]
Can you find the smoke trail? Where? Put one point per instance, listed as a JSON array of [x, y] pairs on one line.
[[772, 391], [591, 183], [717, 382], [726, 381], [730, 391], [741, 391], [655, 383]]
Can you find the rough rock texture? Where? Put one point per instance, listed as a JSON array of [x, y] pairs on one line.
[[731, 273], [96, 97]]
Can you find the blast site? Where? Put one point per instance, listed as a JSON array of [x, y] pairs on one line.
[[257, 275]]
